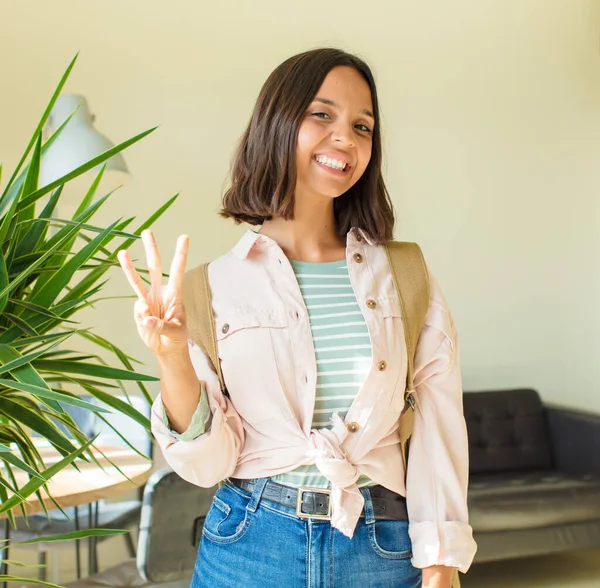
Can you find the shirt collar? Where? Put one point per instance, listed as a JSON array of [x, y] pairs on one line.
[[243, 247], [356, 232], [252, 238]]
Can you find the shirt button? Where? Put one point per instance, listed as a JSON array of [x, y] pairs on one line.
[[382, 365], [358, 258], [224, 328], [352, 427], [371, 303], [359, 238]]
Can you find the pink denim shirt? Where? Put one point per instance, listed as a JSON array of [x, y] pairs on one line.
[[268, 362]]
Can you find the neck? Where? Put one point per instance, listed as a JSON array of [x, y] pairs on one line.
[[311, 235]]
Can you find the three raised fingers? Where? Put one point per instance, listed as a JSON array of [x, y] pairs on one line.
[[176, 273]]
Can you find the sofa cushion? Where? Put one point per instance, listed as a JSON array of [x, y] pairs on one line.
[[507, 431], [522, 500]]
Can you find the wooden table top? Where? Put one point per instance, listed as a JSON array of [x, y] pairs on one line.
[[70, 487]]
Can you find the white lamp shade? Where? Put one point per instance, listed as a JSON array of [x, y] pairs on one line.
[[78, 141]]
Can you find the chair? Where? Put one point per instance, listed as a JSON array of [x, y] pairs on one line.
[[534, 487], [173, 513], [108, 515]]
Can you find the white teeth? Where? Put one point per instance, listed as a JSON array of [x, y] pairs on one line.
[[334, 163]]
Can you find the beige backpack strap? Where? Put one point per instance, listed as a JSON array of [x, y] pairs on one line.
[[411, 281], [197, 301]]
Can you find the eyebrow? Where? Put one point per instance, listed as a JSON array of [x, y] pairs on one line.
[[335, 105]]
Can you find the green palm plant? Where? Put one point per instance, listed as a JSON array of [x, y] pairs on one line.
[[51, 268]]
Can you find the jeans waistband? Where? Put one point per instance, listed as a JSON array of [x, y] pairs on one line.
[[314, 503]]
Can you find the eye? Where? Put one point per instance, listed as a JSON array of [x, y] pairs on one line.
[[363, 128], [320, 115]]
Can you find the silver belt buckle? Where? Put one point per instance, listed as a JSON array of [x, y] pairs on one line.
[[299, 503]]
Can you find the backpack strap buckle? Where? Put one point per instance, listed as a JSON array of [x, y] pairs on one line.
[[410, 398]]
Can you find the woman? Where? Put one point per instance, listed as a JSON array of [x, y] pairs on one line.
[[311, 345]]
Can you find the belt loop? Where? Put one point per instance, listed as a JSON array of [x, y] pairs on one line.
[[369, 514], [259, 486]]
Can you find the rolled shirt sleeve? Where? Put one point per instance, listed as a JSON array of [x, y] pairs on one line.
[[438, 465], [202, 455], [199, 423]]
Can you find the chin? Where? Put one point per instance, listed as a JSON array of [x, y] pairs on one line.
[[329, 192]]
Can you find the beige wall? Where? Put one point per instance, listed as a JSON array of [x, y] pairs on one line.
[[491, 114]]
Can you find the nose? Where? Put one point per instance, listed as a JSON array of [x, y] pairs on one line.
[[343, 133]]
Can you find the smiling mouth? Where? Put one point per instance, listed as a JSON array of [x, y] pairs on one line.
[[334, 164]]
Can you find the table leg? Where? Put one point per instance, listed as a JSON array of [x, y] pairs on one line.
[[4, 566], [92, 551], [90, 542], [96, 523], [77, 545]]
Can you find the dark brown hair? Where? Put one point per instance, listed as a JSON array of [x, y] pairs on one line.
[[263, 174]]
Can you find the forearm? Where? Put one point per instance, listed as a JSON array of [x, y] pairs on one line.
[[437, 577], [180, 388]]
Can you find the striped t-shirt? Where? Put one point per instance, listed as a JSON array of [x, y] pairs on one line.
[[342, 347]]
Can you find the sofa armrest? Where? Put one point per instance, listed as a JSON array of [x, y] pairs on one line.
[[575, 438]]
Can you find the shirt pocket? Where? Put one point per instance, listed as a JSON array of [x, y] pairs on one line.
[[245, 341]]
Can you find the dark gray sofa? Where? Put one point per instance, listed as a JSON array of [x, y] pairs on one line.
[[535, 475]]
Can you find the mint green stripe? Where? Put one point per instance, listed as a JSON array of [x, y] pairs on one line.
[[341, 336]]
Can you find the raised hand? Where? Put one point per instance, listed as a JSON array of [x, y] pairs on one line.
[[158, 312]]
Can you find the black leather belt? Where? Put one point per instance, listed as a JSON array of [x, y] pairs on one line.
[[311, 503]]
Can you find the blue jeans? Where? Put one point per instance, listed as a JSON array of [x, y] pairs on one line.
[[255, 543]]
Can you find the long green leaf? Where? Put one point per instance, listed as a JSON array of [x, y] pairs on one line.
[[30, 341], [92, 163], [123, 357], [35, 307], [51, 394], [90, 369], [20, 564], [22, 412], [39, 228], [34, 484], [63, 379], [83, 534], [32, 178], [22, 580], [120, 405], [81, 222], [21, 324], [11, 194], [89, 197], [6, 484], [150, 221], [123, 438], [4, 282], [40, 126], [9, 220], [29, 357], [54, 286], [25, 373], [7, 455], [92, 228], [13, 284]]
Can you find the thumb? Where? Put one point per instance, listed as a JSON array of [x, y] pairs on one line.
[[160, 327]]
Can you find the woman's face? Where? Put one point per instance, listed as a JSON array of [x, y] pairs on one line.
[[335, 138]]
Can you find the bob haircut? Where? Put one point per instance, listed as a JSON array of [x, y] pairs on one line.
[[263, 173]]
